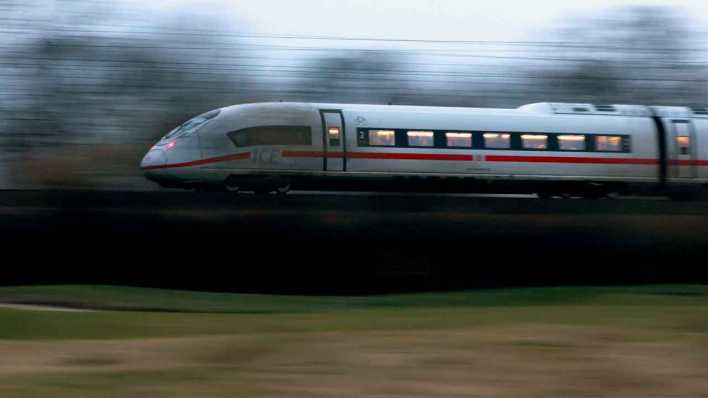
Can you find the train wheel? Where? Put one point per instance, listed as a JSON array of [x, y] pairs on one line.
[[283, 190], [593, 195], [685, 196], [595, 191], [210, 188]]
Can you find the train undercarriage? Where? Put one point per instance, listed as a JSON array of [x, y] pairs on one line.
[[454, 185]]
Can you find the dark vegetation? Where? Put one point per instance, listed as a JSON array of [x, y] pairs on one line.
[[337, 244]]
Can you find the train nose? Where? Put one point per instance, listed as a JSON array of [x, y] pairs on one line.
[[154, 159]]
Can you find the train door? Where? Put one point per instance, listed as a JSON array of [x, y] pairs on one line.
[[335, 144], [682, 149]]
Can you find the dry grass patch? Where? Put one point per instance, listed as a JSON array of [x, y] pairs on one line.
[[500, 361]]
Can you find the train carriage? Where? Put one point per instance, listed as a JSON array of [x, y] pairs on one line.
[[544, 148]]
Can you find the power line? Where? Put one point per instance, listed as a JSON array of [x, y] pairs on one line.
[[246, 35]]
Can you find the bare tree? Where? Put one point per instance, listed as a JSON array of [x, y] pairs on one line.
[[96, 99], [636, 54], [357, 76]]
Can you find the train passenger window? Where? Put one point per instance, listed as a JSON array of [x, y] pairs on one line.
[[382, 138], [571, 142], [272, 135], [497, 140], [421, 138], [608, 143], [534, 141], [459, 140], [683, 143]]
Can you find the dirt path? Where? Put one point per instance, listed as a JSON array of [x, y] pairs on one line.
[[33, 307], [512, 361]]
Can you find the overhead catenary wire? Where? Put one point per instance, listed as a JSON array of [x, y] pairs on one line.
[[230, 66]]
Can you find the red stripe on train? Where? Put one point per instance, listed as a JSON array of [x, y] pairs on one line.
[[410, 156], [379, 155], [311, 154], [569, 159], [469, 158], [688, 162], [238, 156], [438, 157]]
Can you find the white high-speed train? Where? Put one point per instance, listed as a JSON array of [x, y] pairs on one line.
[[543, 148]]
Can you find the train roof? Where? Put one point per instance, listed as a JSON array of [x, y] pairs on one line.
[[305, 106], [545, 108], [616, 110]]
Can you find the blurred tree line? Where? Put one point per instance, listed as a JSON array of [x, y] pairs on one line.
[[635, 55], [85, 94]]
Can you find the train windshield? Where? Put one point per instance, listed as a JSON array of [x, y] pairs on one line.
[[192, 126]]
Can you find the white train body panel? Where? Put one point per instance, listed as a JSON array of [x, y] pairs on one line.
[[701, 148], [641, 131], [261, 158]]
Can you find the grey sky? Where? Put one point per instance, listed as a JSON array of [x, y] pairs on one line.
[[425, 19]]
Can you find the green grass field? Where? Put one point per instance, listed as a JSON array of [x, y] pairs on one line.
[[136, 312], [587, 341]]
